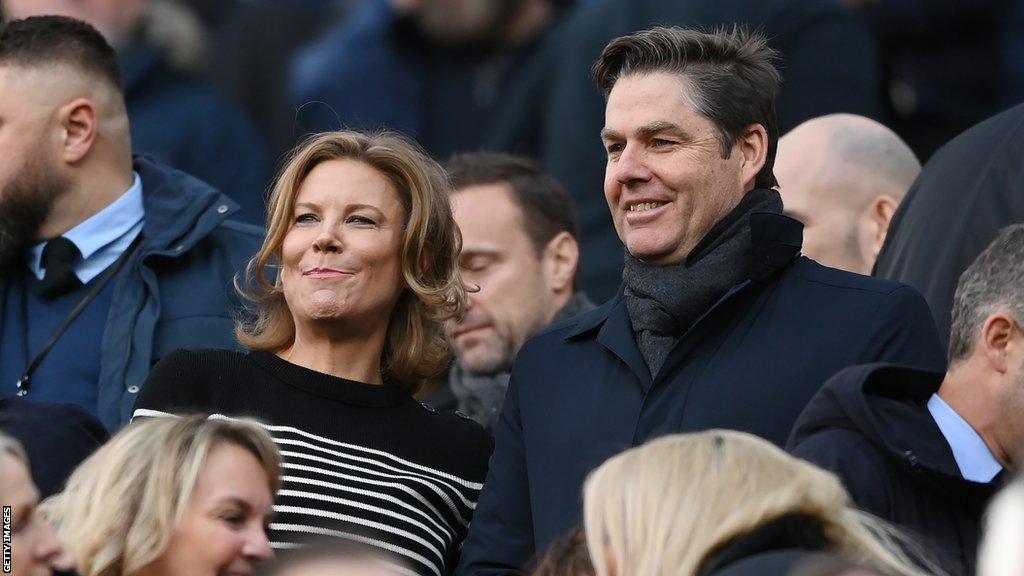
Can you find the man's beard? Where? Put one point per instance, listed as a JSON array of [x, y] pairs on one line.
[[25, 201]]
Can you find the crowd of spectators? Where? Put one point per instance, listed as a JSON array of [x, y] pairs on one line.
[[310, 287]]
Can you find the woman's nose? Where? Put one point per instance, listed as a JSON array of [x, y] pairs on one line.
[[327, 241]]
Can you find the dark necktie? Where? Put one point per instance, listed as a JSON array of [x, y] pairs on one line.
[[59, 258]]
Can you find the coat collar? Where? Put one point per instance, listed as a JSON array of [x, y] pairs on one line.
[[180, 209]]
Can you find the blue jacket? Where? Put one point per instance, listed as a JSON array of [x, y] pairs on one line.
[[580, 391], [176, 288]]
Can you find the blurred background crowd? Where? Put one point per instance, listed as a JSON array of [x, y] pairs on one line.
[[224, 89]]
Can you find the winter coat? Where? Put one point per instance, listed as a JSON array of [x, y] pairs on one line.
[[871, 426]]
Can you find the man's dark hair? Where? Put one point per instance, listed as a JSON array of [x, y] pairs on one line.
[[546, 206], [46, 40], [994, 280], [731, 73]]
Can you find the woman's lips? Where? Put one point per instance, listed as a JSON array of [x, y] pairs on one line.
[[325, 273]]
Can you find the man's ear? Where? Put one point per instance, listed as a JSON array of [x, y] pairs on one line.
[[560, 259], [879, 215], [998, 334], [753, 145], [78, 121]]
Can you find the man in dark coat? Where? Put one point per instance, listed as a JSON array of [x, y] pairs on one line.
[[554, 113], [719, 322], [967, 191], [924, 449]]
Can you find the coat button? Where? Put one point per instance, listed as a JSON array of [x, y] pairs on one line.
[[133, 389], [428, 407], [222, 208]]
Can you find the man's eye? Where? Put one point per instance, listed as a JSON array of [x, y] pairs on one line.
[[661, 142], [475, 264], [613, 148]]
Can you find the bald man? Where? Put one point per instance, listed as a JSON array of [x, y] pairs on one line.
[[843, 176], [107, 262]]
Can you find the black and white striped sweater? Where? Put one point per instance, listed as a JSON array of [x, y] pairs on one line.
[[361, 461]]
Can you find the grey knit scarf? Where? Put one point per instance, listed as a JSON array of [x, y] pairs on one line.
[[480, 396], [664, 301]]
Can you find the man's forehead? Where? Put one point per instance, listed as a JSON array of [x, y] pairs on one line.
[[487, 211], [642, 100], [478, 199]]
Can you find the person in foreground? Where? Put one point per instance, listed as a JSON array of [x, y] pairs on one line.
[[365, 246], [927, 450], [172, 497], [719, 322], [34, 549], [744, 500]]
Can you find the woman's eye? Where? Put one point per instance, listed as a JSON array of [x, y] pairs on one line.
[[363, 220], [234, 519], [308, 217]]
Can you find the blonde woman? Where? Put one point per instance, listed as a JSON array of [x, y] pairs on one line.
[[169, 497], [364, 246], [692, 504]]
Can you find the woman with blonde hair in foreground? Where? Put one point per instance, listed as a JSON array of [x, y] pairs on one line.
[[170, 497], [691, 504]]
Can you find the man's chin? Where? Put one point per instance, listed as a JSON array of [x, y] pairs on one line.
[[483, 365]]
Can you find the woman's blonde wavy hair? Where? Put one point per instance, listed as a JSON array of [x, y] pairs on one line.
[[663, 508], [121, 506], [416, 348]]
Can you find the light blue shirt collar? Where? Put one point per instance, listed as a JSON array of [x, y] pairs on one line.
[[972, 455], [103, 237]]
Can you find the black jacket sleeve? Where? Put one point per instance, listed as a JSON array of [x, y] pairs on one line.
[[500, 540]]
